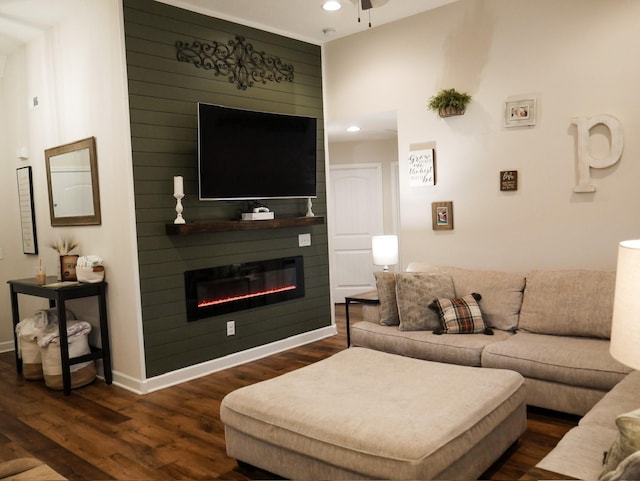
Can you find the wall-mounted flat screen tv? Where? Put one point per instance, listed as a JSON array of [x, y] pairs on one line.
[[252, 155]]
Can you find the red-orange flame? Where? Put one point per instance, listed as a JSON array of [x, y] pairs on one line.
[[245, 296]]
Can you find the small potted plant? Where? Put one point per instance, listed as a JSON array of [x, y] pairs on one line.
[[449, 102]]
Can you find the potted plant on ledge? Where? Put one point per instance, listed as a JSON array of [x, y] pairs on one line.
[[449, 102]]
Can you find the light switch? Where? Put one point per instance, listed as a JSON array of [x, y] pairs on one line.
[[304, 240], [1, 253]]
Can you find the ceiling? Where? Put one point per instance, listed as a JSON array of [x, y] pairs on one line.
[[305, 19], [23, 20]]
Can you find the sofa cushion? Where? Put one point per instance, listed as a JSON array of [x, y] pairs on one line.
[[568, 303], [569, 360], [386, 286], [414, 292], [449, 348], [461, 315], [501, 291], [627, 441]]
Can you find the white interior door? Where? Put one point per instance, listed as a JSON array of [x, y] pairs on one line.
[[356, 202]]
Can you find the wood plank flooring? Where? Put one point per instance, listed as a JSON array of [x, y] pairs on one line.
[[103, 432]]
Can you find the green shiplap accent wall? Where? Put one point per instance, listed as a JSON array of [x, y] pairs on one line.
[[163, 96]]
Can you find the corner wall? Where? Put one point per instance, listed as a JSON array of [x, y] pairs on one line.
[[574, 56], [77, 71], [163, 95]]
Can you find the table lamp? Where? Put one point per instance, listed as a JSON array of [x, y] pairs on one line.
[[385, 250], [625, 327]]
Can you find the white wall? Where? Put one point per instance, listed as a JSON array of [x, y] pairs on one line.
[[575, 56], [77, 71], [13, 135]]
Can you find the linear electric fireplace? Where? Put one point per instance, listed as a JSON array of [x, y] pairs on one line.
[[220, 290]]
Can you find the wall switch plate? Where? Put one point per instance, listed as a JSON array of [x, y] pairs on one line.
[[231, 328], [1, 253], [304, 240]]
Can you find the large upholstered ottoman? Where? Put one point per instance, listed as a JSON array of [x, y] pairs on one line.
[[368, 414]]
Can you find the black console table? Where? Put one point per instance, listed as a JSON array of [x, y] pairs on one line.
[[58, 293]]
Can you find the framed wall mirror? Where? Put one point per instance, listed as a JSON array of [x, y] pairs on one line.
[[72, 179]]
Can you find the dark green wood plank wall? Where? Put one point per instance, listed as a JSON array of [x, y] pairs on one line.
[[163, 93]]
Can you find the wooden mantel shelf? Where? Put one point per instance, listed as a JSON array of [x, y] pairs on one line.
[[231, 225]]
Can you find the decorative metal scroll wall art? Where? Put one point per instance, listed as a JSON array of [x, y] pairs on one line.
[[237, 59]]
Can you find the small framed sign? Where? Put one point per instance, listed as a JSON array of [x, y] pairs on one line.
[[442, 215], [422, 168], [508, 180]]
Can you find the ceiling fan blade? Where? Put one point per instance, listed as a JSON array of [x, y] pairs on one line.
[[366, 4]]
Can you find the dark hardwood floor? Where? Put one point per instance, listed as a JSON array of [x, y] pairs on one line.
[[103, 432]]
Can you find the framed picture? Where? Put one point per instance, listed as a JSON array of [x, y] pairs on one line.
[[27, 213], [508, 180], [422, 168], [520, 112], [442, 215]]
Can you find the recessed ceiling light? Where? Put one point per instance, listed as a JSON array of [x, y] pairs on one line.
[[353, 128], [331, 6]]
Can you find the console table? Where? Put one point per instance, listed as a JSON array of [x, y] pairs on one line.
[[58, 293]]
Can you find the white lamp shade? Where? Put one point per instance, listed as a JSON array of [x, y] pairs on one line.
[[384, 249], [625, 327]]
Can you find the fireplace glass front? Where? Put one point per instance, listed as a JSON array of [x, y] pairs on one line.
[[221, 290]]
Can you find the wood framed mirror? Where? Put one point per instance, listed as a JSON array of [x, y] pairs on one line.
[[72, 179]]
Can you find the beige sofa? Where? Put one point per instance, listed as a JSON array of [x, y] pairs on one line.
[[552, 327], [555, 331], [579, 453]]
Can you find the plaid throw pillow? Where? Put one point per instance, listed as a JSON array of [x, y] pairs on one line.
[[461, 315]]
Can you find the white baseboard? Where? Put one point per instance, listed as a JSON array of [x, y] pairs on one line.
[[7, 346], [192, 372]]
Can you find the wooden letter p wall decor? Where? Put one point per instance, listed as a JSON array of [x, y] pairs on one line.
[[585, 158]]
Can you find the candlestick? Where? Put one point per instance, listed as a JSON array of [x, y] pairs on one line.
[[309, 206], [179, 218], [178, 185]]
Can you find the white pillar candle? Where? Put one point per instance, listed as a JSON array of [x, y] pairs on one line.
[[178, 188]]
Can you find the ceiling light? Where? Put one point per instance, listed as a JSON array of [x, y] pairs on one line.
[[331, 6], [353, 128]]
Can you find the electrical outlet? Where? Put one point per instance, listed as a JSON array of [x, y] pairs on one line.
[[231, 328], [304, 240]]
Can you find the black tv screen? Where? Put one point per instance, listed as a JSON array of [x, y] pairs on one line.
[[251, 155]]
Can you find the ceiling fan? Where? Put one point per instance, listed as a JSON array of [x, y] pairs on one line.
[[368, 5]]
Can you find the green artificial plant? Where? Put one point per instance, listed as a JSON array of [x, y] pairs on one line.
[[449, 102]]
